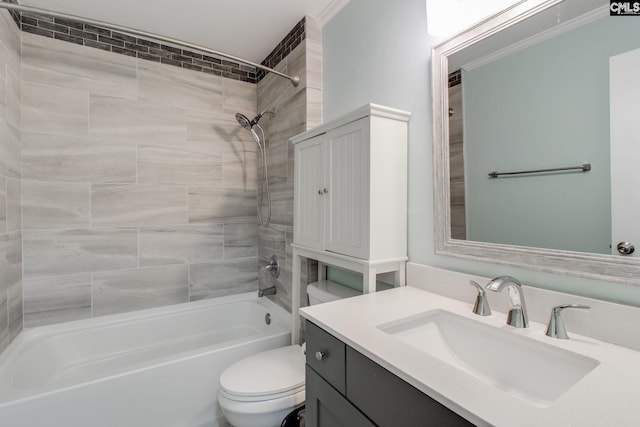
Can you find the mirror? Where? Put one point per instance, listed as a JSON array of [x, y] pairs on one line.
[[530, 90]]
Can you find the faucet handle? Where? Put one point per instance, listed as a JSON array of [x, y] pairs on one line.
[[481, 306], [556, 328]]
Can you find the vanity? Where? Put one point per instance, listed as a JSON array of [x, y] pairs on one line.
[[346, 388], [411, 354]]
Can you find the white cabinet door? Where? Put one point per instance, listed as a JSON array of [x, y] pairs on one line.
[[347, 204], [308, 221]]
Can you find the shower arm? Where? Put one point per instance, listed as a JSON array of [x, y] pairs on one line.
[[295, 80]]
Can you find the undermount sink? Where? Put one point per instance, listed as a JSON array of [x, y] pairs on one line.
[[536, 372]]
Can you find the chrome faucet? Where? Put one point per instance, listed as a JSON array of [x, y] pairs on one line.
[[517, 316], [271, 290]]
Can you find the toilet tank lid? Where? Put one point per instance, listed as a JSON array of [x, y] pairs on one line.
[[326, 290]]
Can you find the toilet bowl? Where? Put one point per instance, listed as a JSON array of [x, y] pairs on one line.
[[260, 390]]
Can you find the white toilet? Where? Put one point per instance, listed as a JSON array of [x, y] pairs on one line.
[[260, 390]]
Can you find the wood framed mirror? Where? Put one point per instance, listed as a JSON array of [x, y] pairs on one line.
[[569, 226]]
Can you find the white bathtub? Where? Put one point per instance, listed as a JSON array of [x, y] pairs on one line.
[[157, 367]]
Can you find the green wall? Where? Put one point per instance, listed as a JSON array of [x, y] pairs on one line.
[[379, 51]]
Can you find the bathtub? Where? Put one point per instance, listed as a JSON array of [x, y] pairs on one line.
[[157, 367]]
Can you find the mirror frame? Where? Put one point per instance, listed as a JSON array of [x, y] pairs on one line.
[[610, 268]]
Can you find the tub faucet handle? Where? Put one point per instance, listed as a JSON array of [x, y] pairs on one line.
[[556, 328], [481, 305], [273, 267]]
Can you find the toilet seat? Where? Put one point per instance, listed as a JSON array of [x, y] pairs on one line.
[[269, 375], [261, 398]]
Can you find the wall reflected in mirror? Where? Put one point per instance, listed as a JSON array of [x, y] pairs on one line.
[[536, 96]]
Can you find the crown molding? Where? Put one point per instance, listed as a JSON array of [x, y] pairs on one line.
[[330, 11]]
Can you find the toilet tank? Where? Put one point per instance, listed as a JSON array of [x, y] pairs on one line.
[[325, 291]]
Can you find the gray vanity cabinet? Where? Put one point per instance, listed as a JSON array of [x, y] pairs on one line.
[[345, 388], [328, 408]]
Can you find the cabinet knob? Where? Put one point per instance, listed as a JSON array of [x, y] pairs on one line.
[[320, 192], [320, 355], [325, 190]]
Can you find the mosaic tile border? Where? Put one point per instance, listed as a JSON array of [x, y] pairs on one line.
[[290, 42], [124, 44], [15, 15], [455, 78]]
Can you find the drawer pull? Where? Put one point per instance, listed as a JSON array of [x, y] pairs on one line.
[[320, 355]]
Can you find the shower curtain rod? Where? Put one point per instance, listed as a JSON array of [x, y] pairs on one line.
[[19, 8]]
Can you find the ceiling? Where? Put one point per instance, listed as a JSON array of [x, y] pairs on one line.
[[249, 29]]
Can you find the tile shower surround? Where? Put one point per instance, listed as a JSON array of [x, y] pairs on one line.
[[138, 185], [10, 183], [171, 216], [136, 47]]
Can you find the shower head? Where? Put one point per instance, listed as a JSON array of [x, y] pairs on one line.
[[244, 121], [248, 124], [262, 145]]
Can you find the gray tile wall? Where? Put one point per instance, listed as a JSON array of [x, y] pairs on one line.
[[127, 184], [10, 183], [138, 185], [297, 109]]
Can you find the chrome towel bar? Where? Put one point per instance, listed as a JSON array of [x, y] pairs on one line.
[[584, 168]]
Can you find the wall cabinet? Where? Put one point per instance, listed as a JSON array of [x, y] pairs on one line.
[[332, 203], [345, 388], [350, 197], [350, 194]]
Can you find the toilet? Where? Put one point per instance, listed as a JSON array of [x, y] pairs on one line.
[[260, 390]]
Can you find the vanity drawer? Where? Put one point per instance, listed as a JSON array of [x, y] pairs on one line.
[[326, 355], [370, 386]]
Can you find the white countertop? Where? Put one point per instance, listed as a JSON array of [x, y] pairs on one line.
[[607, 396]]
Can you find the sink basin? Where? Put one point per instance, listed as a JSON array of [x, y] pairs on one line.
[[536, 372]]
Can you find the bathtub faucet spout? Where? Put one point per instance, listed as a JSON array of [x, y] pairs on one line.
[[268, 291]]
